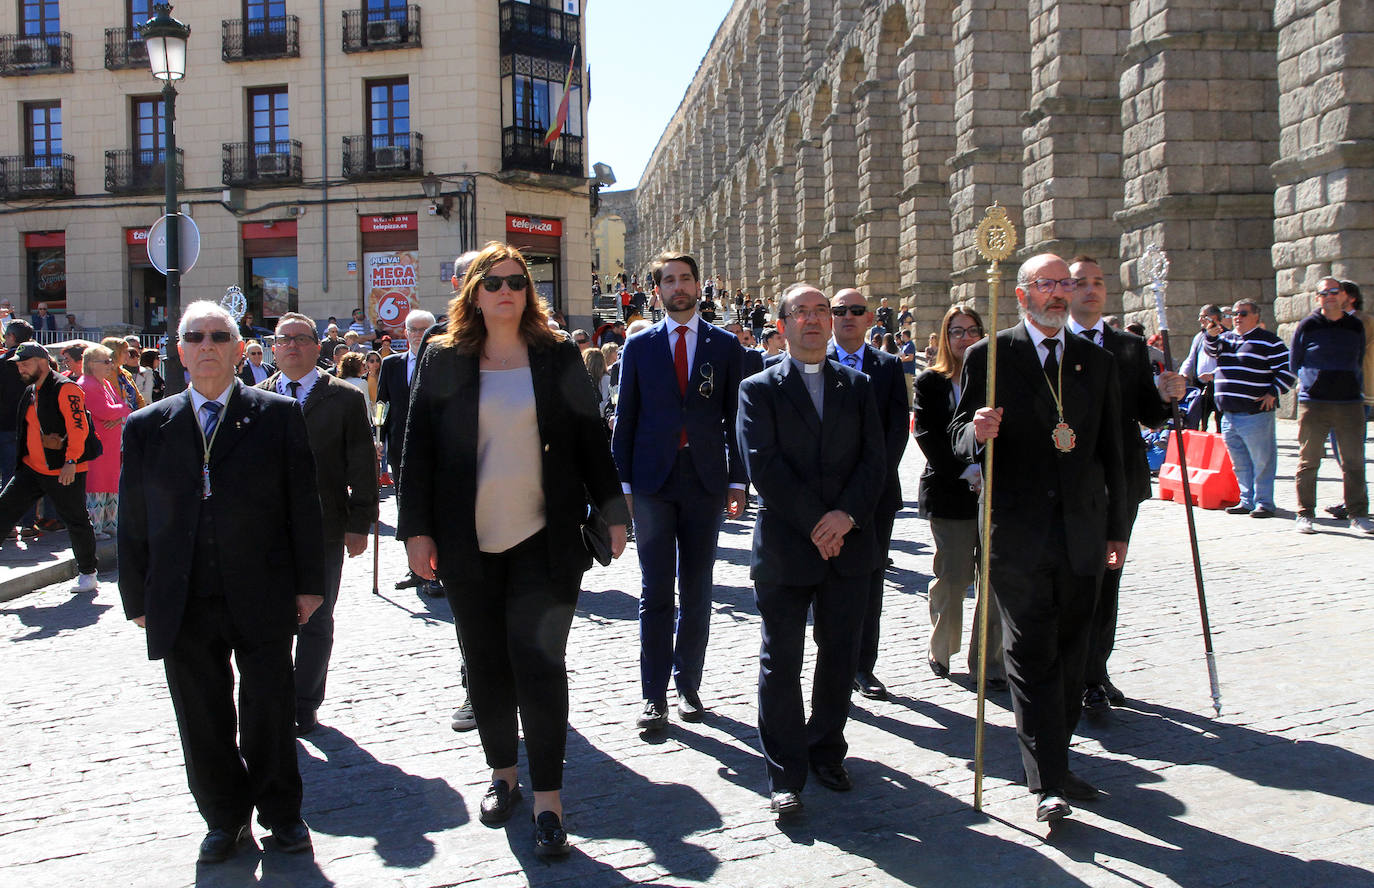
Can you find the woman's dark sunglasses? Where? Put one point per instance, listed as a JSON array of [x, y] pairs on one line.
[[492, 282], [218, 337]]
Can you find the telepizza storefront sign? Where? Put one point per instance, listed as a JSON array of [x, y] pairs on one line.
[[531, 225]]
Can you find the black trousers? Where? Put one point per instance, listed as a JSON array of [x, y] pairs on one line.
[[873, 613], [1047, 613], [27, 487], [1103, 637], [514, 626], [316, 640], [229, 779], [790, 741]]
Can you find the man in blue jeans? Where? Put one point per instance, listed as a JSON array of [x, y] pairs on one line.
[[1252, 371]]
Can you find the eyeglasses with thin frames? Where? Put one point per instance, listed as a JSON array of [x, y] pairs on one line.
[[301, 339], [1046, 285], [808, 314]]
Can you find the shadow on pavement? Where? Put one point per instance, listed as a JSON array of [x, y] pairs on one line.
[[349, 792], [295, 870], [951, 735], [46, 621]]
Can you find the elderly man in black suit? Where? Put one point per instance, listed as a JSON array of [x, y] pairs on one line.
[[813, 444], [851, 318], [1058, 512], [189, 507], [346, 469], [1142, 404]]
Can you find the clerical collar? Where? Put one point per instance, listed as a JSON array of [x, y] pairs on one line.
[[805, 368]]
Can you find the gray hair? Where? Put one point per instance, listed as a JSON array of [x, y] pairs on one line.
[[426, 316], [463, 262], [204, 308]]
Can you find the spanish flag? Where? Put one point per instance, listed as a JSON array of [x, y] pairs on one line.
[[561, 119]]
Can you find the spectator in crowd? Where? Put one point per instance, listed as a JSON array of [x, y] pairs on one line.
[[372, 372], [109, 411], [247, 330], [904, 316], [932, 348], [124, 381], [41, 321], [17, 332], [772, 343], [53, 454], [907, 352], [337, 357], [255, 369], [331, 341], [359, 324], [1354, 303], [354, 342], [73, 329], [384, 347], [583, 339], [1199, 368], [948, 497], [6, 312], [758, 319], [69, 359], [393, 389], [595, 363], [352, 370], [890, 344], [152, 360], [498, 393], [885, 317]]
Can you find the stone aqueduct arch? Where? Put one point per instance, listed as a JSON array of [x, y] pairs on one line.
[[858, 142]]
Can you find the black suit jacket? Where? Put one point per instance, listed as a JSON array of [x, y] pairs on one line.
[[345, 457], [394, 389], [894, 412], [753, 362], [262, 445], [439, 486], [1031, 479], [1140, 405], [942, 493], [770, 360], [803, 466]]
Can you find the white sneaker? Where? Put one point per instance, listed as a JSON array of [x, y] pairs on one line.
[[86, 583], [1303, 524], [1362, 524]]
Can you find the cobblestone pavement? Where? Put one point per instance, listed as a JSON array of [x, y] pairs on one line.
[[1279, 791]]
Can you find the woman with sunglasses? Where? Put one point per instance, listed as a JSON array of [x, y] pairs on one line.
[[109, 411], [504, 446], [948, 497]]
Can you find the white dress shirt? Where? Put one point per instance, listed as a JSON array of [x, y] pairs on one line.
[[1077, 329], [307, 382], [1039, 338]]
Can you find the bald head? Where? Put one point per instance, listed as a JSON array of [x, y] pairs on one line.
[[850, 327]]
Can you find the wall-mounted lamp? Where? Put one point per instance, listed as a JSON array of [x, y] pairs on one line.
[[442, 203]]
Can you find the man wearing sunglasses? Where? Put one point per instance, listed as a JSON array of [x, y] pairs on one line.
[[191, 504], [675, 448], [851, 316], [1327, 356]]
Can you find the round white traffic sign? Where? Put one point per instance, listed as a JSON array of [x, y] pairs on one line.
[[189, 247]]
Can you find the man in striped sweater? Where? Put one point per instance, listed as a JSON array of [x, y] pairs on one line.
[[1252, 371]]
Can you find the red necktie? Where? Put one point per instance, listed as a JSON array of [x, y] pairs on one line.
[[680, 360]]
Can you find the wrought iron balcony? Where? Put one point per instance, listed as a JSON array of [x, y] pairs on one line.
[[538, 29], [523, 148], [140, 171], [380, 157], [22, 54], [124, 49], [44, 175], [262, 163], [367, 30], [243, 40]]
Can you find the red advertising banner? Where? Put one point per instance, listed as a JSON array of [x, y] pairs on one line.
[[530, 225]]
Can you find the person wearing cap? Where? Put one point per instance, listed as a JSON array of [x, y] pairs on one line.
[[52, 455]]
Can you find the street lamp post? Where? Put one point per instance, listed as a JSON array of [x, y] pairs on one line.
[[165, 38]]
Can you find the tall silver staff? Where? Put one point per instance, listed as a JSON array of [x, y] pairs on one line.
[[996, 241], [1155, 265]]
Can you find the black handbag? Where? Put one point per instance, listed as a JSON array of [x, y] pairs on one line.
[[596, 535]]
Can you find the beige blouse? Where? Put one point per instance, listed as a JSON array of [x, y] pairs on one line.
[[510, 477]]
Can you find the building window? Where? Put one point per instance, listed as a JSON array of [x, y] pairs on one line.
[[43, 134], [261, 10], [139, 12], [270, 269], [388, 112], [46, 259], [268, 120], [532, 91], [149, 137], [39, 17], [386, 9]]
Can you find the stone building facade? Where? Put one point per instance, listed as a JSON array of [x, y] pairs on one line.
[[860, 142]]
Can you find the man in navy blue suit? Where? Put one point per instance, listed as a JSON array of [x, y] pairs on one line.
[[852, 317], [813, 443], [675, 448]]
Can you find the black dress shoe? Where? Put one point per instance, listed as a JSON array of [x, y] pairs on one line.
[[996, 683], [1238, 509], [434, 589], [306, 722], [868, 685], [654, 717], [785, 804], [410, 581], [1114, 695], [940, 669], [550, 839], [293, 837], [689, 707], [1078, 789], [499, 801], [833, 777], [1052, 806], [1095, 701], [220, 844]]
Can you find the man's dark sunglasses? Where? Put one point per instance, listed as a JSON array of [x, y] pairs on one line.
[[218, 337], [492, 282], [855, 311]]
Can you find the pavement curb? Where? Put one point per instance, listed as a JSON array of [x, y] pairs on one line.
[[39, 576]]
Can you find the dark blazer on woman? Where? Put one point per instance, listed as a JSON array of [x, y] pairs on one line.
[[438, 492], [942, 493]]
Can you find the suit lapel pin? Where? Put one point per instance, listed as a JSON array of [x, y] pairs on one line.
[[1077, 368]]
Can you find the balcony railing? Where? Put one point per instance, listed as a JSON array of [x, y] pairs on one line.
[[378, 157], [22, 54], [139, 171], [367, 30], [525, 26], [44, 175], [262, 163], [244, 40], [523, 148], [124, 49]]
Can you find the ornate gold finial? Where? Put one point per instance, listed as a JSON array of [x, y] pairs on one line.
[[996, 234]]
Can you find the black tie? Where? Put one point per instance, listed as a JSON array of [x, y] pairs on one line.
[[1051, 362], [1090, 334], [294, 387]]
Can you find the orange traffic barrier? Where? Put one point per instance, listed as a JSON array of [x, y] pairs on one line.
[[1211, 477]]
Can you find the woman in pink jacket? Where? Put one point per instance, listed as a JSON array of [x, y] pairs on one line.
[[109, 410]]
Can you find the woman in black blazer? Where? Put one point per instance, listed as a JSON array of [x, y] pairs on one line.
[[949, 499], [504, 449]]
